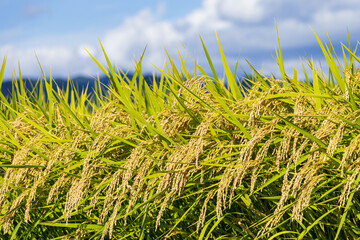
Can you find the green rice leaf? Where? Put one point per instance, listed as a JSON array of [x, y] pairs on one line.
[[73, 225], [332, 65], [279, 56], [234, 87], [316, 222], [317, 90], [213, 227], [282, 233], [209, 61], [2, 73]]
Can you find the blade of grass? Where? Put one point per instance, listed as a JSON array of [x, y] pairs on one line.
[[275, 236], [332, 65], [314, 223], [14, 233], [182, 217], [349, 204], [235, 89], [209, 61], [213, 227], [2, 73], [279, 56], [316, 84]]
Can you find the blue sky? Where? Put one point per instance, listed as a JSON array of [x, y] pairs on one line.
[[58, 32]]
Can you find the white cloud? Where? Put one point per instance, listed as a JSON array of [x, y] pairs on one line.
[[336, 20], [243, 10], [129, 40], [243, 27], [204, 19], [246, 30]]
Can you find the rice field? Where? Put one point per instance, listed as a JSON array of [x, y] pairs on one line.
[[187, 157]]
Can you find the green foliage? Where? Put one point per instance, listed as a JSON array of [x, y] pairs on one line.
[[188, 157]]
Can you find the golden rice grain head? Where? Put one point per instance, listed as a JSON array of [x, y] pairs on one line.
[[222, 191], [198, 86], [351, 152], [245, 160], [111, 222], [283, 151], [298, 153], [111, 195], [275, 218], [31, 196], [8, 219], [303, 199], [174, 163], [186, 154], [112, 219], [102, 120], [20, 156], [55, 188], [259, 158], [349, 183], [301, 106], [137, 157], [95, 198], [163, 206], [5, 188], [173, 122], [201, 220], [138, 184], [215, 152], [334, 141], [56, 157], [150, 186], [256, 110], [80, 234], [285, 190], [81, 140], [75, 195]]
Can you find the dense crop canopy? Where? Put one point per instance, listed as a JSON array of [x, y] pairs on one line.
[[186, 157]]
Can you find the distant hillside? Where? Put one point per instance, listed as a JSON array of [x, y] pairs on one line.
[[81, 83]]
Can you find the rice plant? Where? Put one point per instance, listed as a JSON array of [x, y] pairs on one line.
[[187, 157]]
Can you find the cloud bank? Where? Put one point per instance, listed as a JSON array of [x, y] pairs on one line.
[[246, 30]]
